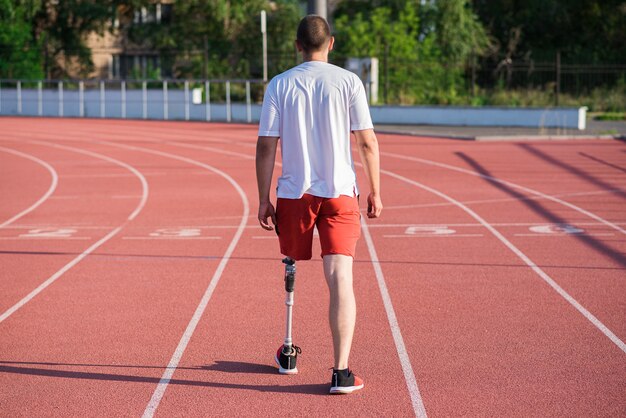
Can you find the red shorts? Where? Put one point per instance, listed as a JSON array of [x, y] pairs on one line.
[[337, 220]]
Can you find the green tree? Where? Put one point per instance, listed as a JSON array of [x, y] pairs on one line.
[[458, 31], [62, 27], [588, 31], [418, 65], [228, 31], [19, 53]]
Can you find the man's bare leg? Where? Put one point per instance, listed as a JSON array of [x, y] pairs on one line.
[[342, 309]]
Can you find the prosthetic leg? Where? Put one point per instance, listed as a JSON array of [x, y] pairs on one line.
[[287, 354]]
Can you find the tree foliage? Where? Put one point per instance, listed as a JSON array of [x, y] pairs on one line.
[[422, 47], [19, 55], [586, 31]]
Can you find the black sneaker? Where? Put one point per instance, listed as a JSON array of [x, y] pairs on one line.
[[344, 381], [286, 359]]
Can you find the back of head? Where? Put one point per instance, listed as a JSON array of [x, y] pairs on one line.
[[313, 33]]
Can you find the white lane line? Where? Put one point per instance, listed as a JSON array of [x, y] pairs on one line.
[[173, 238], [155, 400], [55, 276], [405, 362], [45, 196], [433, 235], [595, 321], [565, 235], [43, 238], [508, 183], [508, 224], [211, 149]]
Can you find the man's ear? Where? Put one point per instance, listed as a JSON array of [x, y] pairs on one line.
[[298, 45], [331, 43]]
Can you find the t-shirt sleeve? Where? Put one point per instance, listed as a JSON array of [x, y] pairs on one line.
[[360, 118], [269, 123]]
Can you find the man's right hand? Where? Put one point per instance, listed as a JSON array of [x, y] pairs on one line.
[[374, 206], [266, 210]]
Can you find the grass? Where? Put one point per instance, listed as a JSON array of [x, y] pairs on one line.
[[610, 116]]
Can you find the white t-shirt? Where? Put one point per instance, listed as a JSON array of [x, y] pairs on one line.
[[313, 107]]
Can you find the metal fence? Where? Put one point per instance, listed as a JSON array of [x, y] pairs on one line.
[[217, 100]]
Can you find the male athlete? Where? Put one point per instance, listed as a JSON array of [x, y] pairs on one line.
[[312, 108]]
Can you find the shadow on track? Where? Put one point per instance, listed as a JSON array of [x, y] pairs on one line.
[[571, 169], [542, 211], [601, 161], [310, 389]]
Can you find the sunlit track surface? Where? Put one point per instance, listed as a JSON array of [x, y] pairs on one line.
[[459, 256]]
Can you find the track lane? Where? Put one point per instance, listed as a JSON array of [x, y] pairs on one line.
[[485, 341], [392, 381], [15, 184], [48, 243], [123, 326], [253, 375], [425, 260], [601, 241]]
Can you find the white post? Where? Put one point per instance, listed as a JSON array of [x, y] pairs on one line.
[[60, 98], [207, 104], [228, 114], [186, 100], [39, 99], [0, 98], [248, 104], [264, 36], [144, 98], [102, 100], [81, 98], [123, 86], [165, 104], [19, 97]]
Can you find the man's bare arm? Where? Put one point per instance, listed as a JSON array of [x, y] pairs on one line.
[[265, 158], [367, 145]]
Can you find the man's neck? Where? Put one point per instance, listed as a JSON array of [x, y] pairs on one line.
[[315, 57]]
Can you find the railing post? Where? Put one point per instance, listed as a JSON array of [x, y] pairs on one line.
[[144, 98], [186, 100], [123, 87], [165, 103], [19, 97], [207, 104], [558, 77], [39, 99], [60, 99], [102, 100], [248, 104], [81, 98], [228, 109]]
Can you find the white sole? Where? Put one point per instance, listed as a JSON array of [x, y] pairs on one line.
[[285, 371], [345, 390]]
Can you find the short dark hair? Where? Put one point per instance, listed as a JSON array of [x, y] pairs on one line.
[[313, 33]]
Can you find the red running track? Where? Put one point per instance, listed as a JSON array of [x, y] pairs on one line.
[[135, 280]]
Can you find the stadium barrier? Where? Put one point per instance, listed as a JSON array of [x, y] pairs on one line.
[[235, 101]]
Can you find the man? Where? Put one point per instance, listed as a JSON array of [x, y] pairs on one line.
[[312, 108]]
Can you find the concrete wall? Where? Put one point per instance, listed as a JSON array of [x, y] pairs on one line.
[[47, 103]]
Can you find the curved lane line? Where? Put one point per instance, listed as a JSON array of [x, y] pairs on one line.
[[595, 321], [405, 362], [51, 189], [155, 400], [93, 247], [508, 183]]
